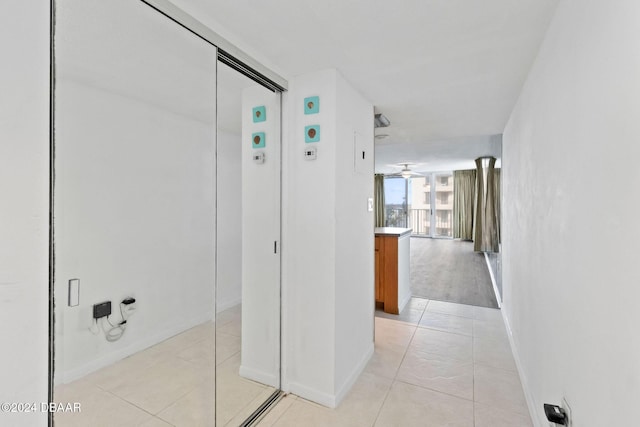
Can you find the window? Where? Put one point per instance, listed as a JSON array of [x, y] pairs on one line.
[[395, 202]]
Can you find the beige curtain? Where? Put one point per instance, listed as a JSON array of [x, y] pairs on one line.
[[378, 197], [497, 195], [464, 191], [486, 224]]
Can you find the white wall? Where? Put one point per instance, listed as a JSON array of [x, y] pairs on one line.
[[134, 217], [570, 264], [135, 178], [229, 278], [328, 242], [24, 206], [309, 242], [354, 237]]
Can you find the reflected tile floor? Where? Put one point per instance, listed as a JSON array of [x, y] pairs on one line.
[[169, 384], [435, 364]]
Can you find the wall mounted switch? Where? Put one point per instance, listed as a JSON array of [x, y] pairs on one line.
[[74, 293], [370, 204]]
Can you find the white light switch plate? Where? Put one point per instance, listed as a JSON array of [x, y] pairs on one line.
[[370, 204], [74, 292]]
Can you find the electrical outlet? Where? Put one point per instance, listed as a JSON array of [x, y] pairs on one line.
[[567, 410], [102, 309]]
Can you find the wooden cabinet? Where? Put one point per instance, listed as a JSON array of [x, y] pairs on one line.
[[378, 262], [392, 288]]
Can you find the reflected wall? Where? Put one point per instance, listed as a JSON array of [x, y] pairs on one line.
[[135, 108]]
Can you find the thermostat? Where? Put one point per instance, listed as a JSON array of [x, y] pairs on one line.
[[258, 157], [310, 153]]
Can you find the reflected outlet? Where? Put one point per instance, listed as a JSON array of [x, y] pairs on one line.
[[101, 309]]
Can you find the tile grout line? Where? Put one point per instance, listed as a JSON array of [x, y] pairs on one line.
[[382, 404], [431, 328], [393, 381], [144, 410], [434, 390]]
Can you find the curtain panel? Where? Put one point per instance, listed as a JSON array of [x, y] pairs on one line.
[[486, 222], [497, 195], [464, 199], [378, 198]]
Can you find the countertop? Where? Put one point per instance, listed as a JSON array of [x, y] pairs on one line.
[[392, 231]]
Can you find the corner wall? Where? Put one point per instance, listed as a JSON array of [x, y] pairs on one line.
[[24, 212], [354, 294], [570, 264], [309, 243], [328, 240]]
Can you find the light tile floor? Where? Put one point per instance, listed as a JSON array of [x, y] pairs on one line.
[[169, 384], [435, 364]]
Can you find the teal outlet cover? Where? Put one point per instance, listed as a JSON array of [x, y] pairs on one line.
[[312, 105], [257, 140], [259, 114], [312, 133]]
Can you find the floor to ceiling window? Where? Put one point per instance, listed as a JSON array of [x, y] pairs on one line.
[[396, 191], [423, 203]]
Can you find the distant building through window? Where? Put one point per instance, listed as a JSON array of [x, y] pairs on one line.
[[409, 204]]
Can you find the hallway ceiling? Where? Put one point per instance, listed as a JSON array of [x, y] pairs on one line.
[[438, 69]]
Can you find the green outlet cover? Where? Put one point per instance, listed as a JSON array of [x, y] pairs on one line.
[[312, 133], [312, 105], [259, 114], [257, 140]]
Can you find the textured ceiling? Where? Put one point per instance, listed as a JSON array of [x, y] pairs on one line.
[[439, 70]]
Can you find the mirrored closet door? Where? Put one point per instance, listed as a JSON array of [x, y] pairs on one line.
[[248, 253], [167, 225], [134, 205]]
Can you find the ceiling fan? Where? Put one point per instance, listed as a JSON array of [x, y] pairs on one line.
[[406, 172]]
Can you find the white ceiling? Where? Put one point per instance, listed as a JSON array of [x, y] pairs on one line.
[[438, 69], [438, 155]]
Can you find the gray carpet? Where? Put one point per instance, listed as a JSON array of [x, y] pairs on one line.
[[449, 270]]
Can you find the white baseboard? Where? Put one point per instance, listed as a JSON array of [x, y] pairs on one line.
[[312, 394], [64, 377], [266, 378], [493, 280], [531, 402], [222, 305], [351, 380], [402, 304], [332, 400]]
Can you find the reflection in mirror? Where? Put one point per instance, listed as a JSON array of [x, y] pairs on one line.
[[134, 217], [248, 226]]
